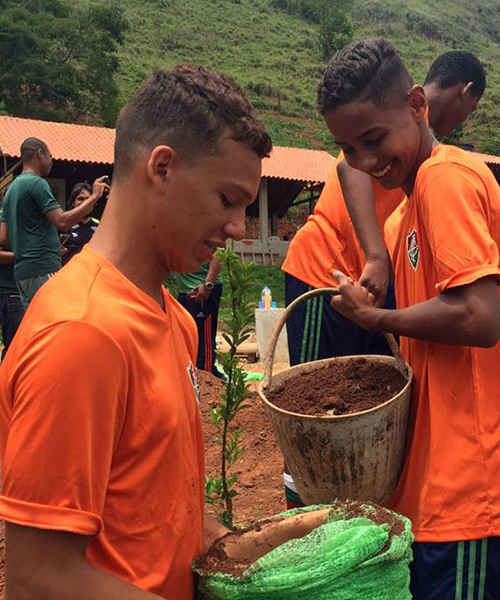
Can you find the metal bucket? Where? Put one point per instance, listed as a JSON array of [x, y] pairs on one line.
[[357, 456]]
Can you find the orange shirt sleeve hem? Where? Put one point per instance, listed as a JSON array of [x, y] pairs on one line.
[[467, 277], [57, 518]]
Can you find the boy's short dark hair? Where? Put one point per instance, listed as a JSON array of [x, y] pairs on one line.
[[370, 69], [458, 66], [30, 147], [187, 108], [76, 190]]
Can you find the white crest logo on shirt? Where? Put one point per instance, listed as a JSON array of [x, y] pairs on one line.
[[413, 249], [194, 380]]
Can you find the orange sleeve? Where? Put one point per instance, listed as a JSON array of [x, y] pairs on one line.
[[68, 397], [453, 204]]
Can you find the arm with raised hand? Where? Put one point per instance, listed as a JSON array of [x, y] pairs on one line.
[[357, 190]]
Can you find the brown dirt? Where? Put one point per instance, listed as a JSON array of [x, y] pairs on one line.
[[339, 388], [217, 561], [375, 513], [259, 469]]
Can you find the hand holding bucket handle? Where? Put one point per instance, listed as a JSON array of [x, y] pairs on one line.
[[391, 340]]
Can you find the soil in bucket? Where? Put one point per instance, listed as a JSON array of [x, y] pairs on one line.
[[339, 388]]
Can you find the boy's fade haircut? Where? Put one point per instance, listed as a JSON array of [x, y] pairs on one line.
[[187, 108], [367, 70], [30, 147], [458, 66]]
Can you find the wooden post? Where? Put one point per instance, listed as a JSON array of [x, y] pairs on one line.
[[263, 215], [274, 224]]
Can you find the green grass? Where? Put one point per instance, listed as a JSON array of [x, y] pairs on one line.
[[276, 57], [273, 277]]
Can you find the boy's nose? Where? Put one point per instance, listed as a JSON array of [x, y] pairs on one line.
[[235, 228], [367, 162]]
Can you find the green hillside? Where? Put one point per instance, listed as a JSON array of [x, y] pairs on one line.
[[277, 57]]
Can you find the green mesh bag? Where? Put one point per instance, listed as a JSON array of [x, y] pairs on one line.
[[362, 552]]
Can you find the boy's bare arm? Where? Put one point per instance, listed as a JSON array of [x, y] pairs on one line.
[[358, 194], [52, 565], [213, 531], [468, 315]]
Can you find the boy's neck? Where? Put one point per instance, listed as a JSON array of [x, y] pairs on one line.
[[122, 238], [427, 144]]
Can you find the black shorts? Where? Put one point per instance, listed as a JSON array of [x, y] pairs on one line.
[[456, 570]]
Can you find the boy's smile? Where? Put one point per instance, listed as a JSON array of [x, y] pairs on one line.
[[387, 142]]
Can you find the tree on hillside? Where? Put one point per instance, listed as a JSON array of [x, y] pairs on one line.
[[336, 28], [58, 61]]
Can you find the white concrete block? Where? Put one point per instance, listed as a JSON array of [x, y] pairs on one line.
[[266, 320]]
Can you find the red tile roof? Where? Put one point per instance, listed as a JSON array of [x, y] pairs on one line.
[[78, 143], [82, 143], [298, 164]]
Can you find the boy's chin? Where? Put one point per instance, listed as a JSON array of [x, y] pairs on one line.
[[390, 184]]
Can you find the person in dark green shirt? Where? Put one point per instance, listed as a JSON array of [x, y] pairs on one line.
[[200, 294], [31, 218]]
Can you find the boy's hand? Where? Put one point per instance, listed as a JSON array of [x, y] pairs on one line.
[[356, 302], [202, 293], [375, 278]]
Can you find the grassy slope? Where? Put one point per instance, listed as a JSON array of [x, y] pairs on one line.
[[472, 25], [272, 55], [275, 56]]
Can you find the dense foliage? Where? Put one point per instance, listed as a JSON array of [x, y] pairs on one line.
[[59, 60], [276, 49]]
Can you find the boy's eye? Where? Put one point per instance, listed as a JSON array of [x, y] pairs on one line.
[[348, 151], [376, 141], [225, 201]]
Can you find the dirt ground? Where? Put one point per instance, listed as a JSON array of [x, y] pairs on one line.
[[260, 468]]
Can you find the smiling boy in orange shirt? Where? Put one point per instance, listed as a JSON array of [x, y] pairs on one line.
[[445, 252]]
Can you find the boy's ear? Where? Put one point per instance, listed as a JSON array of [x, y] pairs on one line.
[[466, 89], [417, 101], [159, 162]]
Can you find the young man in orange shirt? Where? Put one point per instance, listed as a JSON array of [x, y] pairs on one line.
[[444, 245], [100, 432], [453, 86], [328, 240]]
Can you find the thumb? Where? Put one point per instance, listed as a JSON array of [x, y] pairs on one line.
[[341, 278]]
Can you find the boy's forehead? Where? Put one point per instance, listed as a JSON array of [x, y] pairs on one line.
[[237, 166], [359, 118]]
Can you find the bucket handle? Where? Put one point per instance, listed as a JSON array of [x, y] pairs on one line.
[[391, 340]]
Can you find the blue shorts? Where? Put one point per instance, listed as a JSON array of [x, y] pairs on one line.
[[315, 330], [456, 570]]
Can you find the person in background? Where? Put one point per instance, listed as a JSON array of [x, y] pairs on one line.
[[80, 234], [200, 293], [31, 218], [11, 308]]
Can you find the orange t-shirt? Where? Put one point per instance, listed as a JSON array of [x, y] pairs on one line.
[[328, 240], [447, 234], [100, 429]]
